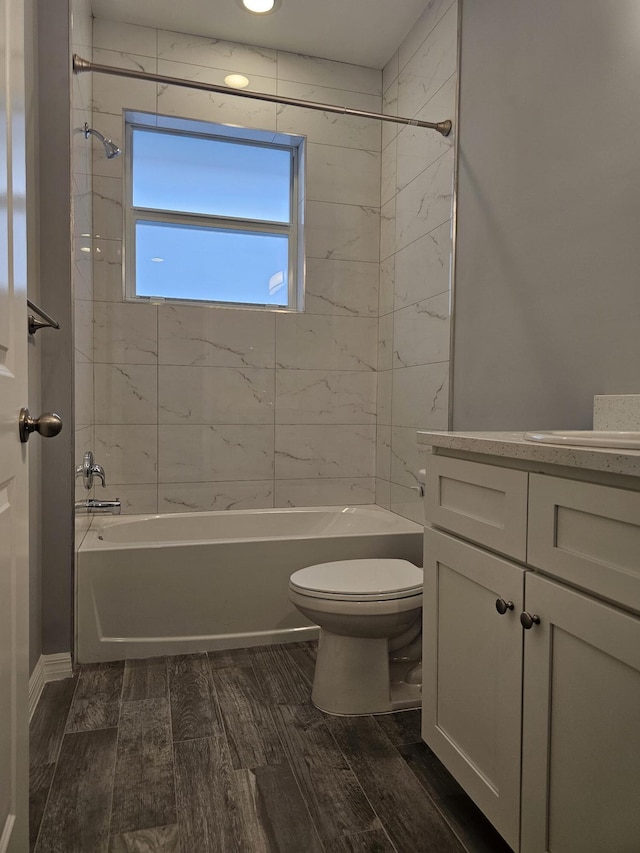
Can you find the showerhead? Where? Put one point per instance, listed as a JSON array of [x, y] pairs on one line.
[[111, 150]]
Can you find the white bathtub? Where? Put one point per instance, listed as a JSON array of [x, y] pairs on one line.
[[172, 584]]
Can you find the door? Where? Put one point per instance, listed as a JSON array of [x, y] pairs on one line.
[[472, 673], [581, 724], [14, 563]]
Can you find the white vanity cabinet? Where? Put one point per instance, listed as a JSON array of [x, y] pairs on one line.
[[541, 726]]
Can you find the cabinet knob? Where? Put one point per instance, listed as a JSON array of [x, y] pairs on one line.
[[528, 621], [502, 606]]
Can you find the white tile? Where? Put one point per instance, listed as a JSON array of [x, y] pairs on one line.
[[107, 208], [406, 457], [433, 12], [407, 503], [208, 497], [326, 72], [325, 343], [385, 384], [341, 287], [390, 71], [325, 397], [83, 328], [210, 106], [422, 269], [215, 75], [387, 284], [81, 24], [330, 128], [114, 94], [420, 396], [81, 148], [200, 454], [125, 333], [129, 38], [213, 53], [325, 451], [81, 90], [383, 452], [107, 271], [389, 129], [383, 493], [126, 394], [83, 394], [82, 273], [331, 491], [432, 64], [385, 342], [426, 202], [388, 172], [128, 454], [388, 229], [343, 175], [342, 231], [135, 499], [421, 332], [215, 395], [222, 337], [419, 147], [84, 441]]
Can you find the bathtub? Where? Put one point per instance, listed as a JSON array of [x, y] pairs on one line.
[[173, 584]]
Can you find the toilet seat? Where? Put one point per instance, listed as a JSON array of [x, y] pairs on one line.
[[359, 580]]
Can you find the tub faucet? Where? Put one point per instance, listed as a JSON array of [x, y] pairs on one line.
[[94, 507], [90, 469]]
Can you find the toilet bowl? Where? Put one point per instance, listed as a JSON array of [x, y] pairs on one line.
[[370, 618]]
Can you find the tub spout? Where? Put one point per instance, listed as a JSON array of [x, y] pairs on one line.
[[92, 506]]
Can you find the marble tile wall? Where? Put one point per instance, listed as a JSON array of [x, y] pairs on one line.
[[82, 151], [216, 408], [419, 81]]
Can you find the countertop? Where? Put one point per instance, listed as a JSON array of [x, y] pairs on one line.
[[513, 445]]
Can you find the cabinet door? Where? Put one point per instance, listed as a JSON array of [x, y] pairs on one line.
[[472, 674], [581, 724]]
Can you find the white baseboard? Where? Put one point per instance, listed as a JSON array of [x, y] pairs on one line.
[[48, 668]]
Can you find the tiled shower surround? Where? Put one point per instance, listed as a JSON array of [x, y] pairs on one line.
[[200, 408]]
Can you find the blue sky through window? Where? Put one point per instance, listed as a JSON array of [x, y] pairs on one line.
[[202, 175], [190, 262]]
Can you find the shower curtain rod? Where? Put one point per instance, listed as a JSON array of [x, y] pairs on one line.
[[81, 65]]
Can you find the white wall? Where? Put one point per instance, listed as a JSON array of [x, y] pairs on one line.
[[213, 408], [547, 290], [415, 247]]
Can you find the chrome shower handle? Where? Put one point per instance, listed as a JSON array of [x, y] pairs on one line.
[[90, 469]]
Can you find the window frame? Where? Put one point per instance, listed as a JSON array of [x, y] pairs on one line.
[[293, 230]]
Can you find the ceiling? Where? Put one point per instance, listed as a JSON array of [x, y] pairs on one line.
[[363, 32]]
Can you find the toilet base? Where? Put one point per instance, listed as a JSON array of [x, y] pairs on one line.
[[338, 687]]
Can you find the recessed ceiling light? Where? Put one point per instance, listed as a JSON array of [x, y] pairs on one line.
[[259, 7], [158, 260], [236, 81]]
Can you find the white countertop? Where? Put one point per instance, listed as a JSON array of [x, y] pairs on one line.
[[513, 445]]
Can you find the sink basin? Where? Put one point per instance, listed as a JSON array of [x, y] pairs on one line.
[[587, 438]]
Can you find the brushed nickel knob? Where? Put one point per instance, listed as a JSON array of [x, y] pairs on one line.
[[48, 425], [527, 620], [502, 606]]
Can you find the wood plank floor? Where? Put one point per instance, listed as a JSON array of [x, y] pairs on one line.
[[224, 752]]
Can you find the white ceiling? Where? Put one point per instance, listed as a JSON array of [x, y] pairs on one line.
[[364, 32]]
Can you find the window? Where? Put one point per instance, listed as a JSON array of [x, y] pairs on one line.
[[213, 213]]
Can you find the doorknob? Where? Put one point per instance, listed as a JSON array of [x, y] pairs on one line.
[[48, 425]]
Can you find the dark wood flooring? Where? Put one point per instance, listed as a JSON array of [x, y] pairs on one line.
[[224, 752]]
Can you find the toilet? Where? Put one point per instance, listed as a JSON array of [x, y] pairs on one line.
[[370, 647]]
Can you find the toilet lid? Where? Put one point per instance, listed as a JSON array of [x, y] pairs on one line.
[[365, 580]]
